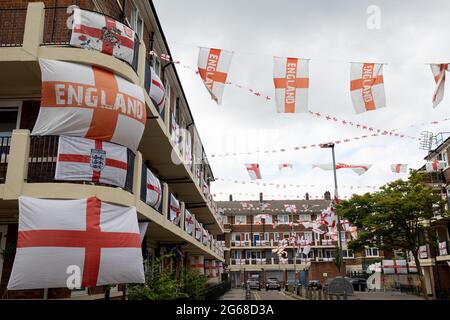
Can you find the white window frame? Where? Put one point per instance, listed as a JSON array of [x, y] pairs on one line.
[[225, 219], [12, 105], [276, 236], [269, 220], [237, 219], [266, 236], [304, 217], [369, 252], [345, 254], [308, 236], [284, 220], [135, 17], [256, 219]]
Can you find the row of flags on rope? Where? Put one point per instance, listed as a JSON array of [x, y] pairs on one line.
[[291, 81]]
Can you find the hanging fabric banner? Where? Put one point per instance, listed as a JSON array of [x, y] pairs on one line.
[[153, 195], [284, 165], [291, 80], [367, 86], [399, 167], [189, 223], [157, 91], [357, 168], [213, 66], [253, 171], [143, 229], [439, 77], [89, 102], [198, 230], [102, 239], [82, 159], [435, 165], [94, 31], [174, 210]]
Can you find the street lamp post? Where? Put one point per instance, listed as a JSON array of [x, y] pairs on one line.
[[341, 258]]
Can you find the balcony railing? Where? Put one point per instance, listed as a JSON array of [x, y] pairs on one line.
[[12, 26], [42, 162], [5, 143], [56, 31]]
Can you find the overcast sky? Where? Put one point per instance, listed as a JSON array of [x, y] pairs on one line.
[[331, 34]]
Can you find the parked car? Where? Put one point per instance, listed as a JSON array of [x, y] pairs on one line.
[[290, 283], [273, 284], [314, 284], [254, 284], [359, 284]]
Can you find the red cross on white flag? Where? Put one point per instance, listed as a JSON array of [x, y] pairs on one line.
[[399, 167], [82, 159], [367, 86], [253, 171], [439, 77], [95, 31], [213, 66], [174, 210], [102, 239], [291, 80], [188, 222], [435, 165], [357, 168], [154, 192]]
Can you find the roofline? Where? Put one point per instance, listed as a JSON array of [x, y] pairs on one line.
[[176, 74]]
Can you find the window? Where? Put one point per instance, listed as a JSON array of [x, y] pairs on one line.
[[136, 21], [286, 235], [268, 220], [240, 220], [283, 219], [266, 236], [372, 252], [308, 236], [304, 217], [276, 236], [257, 219], [235, 254], [225, 219], [9, 118], [347, 253], [328, 254], [157, 66]]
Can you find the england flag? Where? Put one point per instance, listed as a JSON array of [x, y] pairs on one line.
[[435, 165], [189, 223], [82, 159], [399, 167], [253, 171], [153, 196], [157, 91], [174, 210]]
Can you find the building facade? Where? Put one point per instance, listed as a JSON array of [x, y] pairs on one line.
[[170, 147], [250, 242]]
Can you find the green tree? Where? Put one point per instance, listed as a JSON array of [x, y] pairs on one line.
[[194, 284], [395, 218], [160, 284]]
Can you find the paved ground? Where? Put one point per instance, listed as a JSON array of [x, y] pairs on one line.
[[384, 296], [234, 294], [271, 295]]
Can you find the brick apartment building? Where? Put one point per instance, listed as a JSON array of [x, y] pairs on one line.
[[435, 260], [249, 241], [30, 30]]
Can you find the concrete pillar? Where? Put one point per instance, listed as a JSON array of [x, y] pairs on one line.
[[141, 63], [34, 28], [17, 163], [182, 214], [137, 176], [165, 200]]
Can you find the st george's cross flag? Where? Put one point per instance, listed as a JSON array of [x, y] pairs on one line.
[[153, 195], [81, 159], [174, 210], [435, 165], [157, 91], [291, 80], [205, 236], [439, 71], [399, 167], [213, 66], [198, 230], [291, 208], [95, 31], [367, 86], [253, 171], [357, 168], [101, 239], [189, 223], [89, 102], [284, 165]]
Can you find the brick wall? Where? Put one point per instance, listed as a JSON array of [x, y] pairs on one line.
[[319, 268]]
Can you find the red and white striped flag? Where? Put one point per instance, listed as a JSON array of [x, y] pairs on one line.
[[399, 167], [357, 168], [291, 80], [95, 31], [82, 159], [85, 101], [284, 165], [367, 86], [157, 91], [439, 77], [253, 171], [435, 165], [153, 196], [101, 239], [213, 66], [174, 210]]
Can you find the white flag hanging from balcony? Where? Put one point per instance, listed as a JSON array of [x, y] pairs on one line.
[[58, 236], [86, 101], [439, 71], [367, 86], [213, 65], [154, 191], [399, 167], [357, 168], [157, 91], [198, 230], [435, 165], [95, 31], [189, 223], [174, 210], [81, 159], [291, 80]]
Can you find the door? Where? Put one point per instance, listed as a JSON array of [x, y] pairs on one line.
[[3, 231], [255, 238]]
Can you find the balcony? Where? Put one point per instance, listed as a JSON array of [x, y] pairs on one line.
[[5, 142], [39, 32]]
